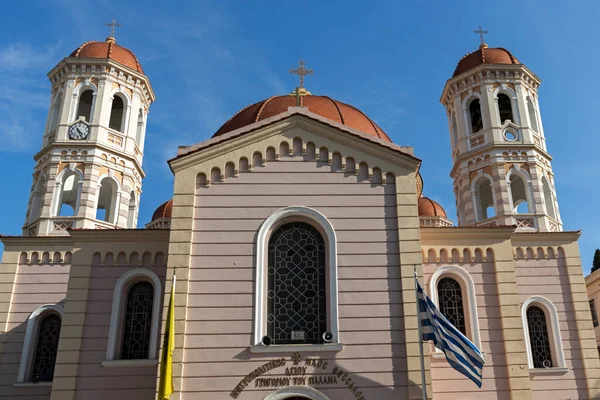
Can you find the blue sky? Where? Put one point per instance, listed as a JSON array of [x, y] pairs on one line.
[[208, 59]]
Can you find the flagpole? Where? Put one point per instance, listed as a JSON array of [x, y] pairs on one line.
[[423, 383]]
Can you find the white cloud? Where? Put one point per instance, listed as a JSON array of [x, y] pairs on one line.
[[20, 55]]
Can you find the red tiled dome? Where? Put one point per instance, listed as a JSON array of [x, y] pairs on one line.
[[108, 49], [484, 55], [430, 208], [321, 105], [163, 211]]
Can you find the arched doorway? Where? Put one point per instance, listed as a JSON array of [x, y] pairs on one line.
[[297, 393]]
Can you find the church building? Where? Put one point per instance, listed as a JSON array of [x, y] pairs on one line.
[[293, 233]]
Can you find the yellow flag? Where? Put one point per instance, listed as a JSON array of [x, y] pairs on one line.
[[166, 363]]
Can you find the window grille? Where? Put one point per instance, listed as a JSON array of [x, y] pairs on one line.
[[296, 297], [137, 322], [451, 303], [46, 348], [538, 338]]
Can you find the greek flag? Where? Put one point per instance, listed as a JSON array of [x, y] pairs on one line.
[[462, 355]]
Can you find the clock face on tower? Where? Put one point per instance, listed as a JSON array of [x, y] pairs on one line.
[[79, 131]]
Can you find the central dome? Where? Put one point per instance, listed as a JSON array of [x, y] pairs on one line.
[[322, 105]]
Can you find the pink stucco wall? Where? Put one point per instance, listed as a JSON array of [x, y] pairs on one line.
[[35, 284], [545, 274], [449, 384], [220, 316]]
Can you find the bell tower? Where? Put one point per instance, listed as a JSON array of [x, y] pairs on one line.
[[502, 171], [88, 173]]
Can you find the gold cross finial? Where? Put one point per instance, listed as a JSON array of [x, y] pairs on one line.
[[481, 32], [302, 72], [112, 25]]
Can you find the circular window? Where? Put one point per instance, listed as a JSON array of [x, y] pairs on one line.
[[510, 136]]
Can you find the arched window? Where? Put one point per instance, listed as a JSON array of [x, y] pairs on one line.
[[117, 114], [519, 195], [542, 333], [134, 323], [483, 198], [451, 303], [532, 115], [40, 346], [505, 108], [69, 190], [453, 291], [140, 128], [106, 209], [296, 293], [137, 322], [475, 116], [296, 297], [84, 110], [548, 198], [37, 198], [131, 212]]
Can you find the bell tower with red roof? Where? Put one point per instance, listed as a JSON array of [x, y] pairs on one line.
[[88, 173]]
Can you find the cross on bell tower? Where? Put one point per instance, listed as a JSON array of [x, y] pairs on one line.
[[481, 32], [112, 25]]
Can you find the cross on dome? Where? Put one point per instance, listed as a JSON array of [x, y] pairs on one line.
[[302, 72], [481, 32], [112, 25]]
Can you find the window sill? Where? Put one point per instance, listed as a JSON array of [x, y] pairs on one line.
[[129, 363], [290, 348], [544, 371], [32, 384]]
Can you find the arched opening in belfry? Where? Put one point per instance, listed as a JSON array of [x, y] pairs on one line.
[[140, 128], [484, 199], [131, 212], [518, 190], [475, 116], [107, 200], [55, 112], [70, 188], [117, 113], [505, 108], [454, 131], [37, 198], [84, 110]]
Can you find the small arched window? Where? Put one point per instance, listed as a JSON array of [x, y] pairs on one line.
[[532, 115], [46, 348], [475, 116], [505, 108], [450, 299], [117, 114], [70, 189], [40, 346], [539, 338], [106, 209], [137, 322], [484, 199], [84, 110], [548, 198], [297, 294], [134, 322], [518, 190]]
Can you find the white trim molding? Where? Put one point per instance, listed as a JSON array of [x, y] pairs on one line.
[[31, 333], [463, 276], [118, 308], [554, 335], [303, 391], [276, 219]]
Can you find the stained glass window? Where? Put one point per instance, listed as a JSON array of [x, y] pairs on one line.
[[138, 321], [538, 338], [296, 297], [451, 303], [45, 349]]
